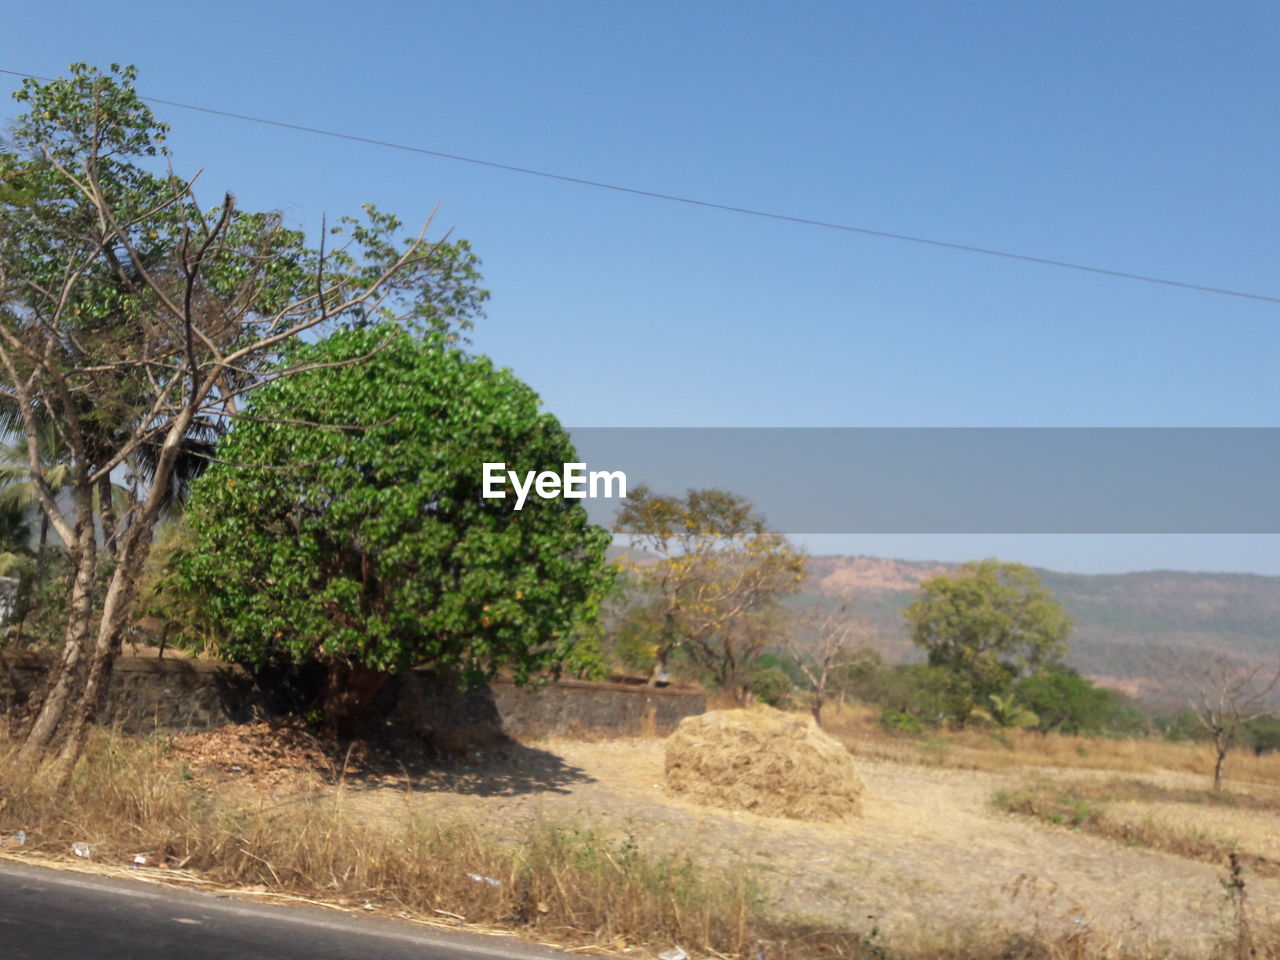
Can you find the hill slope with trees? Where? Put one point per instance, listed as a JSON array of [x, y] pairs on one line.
[[1124, 624]]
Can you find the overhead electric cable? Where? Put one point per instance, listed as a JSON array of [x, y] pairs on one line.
[[709, 204]]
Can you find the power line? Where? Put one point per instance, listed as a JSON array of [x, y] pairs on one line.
[[690, 201]]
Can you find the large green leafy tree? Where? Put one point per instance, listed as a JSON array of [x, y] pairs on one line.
[[367, 545], [133, 320], [987, 625]]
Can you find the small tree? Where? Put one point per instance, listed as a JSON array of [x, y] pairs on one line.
[[1225, 696], [986, 625], [828, 648], [1005, 711], [368, 546], [714, 586]]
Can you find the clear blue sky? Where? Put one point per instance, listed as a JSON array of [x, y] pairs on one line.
[[1136, 136]]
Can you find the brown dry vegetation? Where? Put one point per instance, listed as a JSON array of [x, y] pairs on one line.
[[764, 761], [587, 847], [556, 882], [1014, 749], [1203, 837]]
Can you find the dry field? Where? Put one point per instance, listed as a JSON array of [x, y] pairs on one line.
[[1118, 850], [931, 860]]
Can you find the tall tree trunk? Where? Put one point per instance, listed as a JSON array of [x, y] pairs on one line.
[[79, 620], [133, 548], [115, 612]]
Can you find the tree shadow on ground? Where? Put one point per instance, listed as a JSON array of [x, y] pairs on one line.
[[478, 761], [495, 769], [421, 732], [430, 733]]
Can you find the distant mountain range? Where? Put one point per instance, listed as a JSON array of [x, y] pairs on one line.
[[1126, 625]]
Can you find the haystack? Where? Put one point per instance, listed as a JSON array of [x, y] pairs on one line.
[[765, 761]]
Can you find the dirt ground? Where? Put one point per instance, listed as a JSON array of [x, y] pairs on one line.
[[929, 857]]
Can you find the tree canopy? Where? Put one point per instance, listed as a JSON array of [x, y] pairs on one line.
[[713, 590], [986, 625], [346, 524]]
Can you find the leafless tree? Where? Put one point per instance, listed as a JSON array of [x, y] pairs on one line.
[[1225, 695], [831, 642]]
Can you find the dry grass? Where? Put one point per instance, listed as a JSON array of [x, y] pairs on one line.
[[763, 761], [1007, 750], [1128, 789], [1115, 810], [555, 882], [551, 881]]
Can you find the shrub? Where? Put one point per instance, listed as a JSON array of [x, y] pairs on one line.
[[772, 686]]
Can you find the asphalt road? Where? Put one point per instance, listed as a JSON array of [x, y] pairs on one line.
[[57, 915]]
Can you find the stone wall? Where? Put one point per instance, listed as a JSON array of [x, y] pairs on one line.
[[574, 708], [149, 695], [581, 708], [173, 695]]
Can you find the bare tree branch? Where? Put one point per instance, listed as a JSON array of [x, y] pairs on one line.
[[1224, 695]]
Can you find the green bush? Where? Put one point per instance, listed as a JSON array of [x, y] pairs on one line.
[[1262, 734], [368, 547], [1066, 702], [772, 686], [898, 721]]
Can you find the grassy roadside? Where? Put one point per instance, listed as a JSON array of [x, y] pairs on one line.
[[565, 884], [558, 883]]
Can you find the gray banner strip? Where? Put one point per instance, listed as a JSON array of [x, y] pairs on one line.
[[962, 480]]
